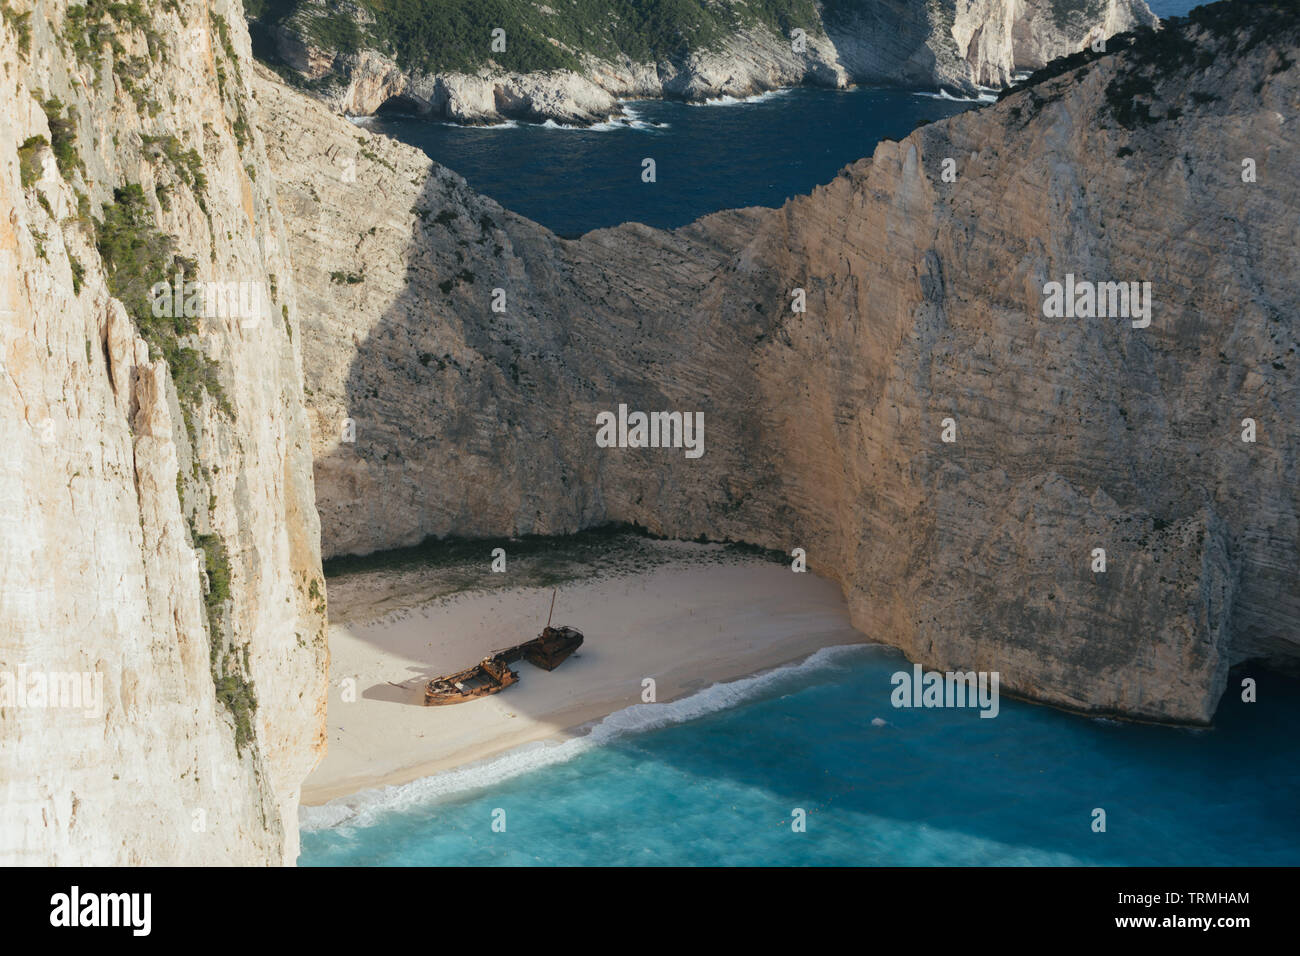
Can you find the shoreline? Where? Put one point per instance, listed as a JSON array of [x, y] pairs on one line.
[[700, 618], [580, 723], [627, 118]]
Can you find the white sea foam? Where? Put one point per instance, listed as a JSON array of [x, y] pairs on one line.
[[985, 96], [630, 120], [370, 121], [634, 120], [360, 809], [551, 124], [504, 124], [739, 100]]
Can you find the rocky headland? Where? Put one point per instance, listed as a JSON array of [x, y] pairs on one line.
[[574, 66]]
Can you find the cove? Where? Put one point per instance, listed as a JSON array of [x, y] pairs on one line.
[[758, 152]]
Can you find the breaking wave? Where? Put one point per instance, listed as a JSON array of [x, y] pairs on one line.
[[630, 119], [362, 809], [985, 95], [740, 100]]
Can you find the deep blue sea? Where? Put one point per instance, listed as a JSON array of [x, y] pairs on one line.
[[1172, 8], [758, 152], [715, 779]]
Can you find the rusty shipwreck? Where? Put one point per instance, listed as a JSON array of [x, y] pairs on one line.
[[493, 674]]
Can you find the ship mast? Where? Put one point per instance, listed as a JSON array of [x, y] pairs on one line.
[[548, 616]]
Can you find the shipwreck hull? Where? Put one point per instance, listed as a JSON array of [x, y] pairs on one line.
[[552, 647], [492, 675]]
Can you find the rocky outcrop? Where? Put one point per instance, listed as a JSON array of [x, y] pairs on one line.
[[959, 44], [434, 413], [1043, 30], [162, 650]]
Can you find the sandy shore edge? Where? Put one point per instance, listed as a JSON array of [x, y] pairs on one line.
[[684, 625]]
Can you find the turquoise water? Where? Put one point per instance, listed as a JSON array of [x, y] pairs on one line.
[[929, 787]]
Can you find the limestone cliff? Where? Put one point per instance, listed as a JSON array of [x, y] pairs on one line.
[[824, 429], [348, 58], [162, 654]]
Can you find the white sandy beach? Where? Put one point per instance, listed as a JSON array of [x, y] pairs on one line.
[[686, 625]]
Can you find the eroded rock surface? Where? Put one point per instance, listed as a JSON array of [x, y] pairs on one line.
[[960, 44], [823, 429], [162, 541]]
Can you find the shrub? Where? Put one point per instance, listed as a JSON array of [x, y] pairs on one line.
[[136, 256], [63, 138], [29, 165]]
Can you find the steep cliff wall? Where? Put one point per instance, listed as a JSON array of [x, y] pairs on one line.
[[824, 429], [572, 65], [159, 534], [969, 42]]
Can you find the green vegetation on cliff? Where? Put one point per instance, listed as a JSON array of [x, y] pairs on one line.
[[63, 135], [229, 667], [20, 24], [1169, 57], [136, 256], [456, 35], [29, 166]]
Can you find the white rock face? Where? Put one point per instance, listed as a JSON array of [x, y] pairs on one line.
[[955, 43], [103, 493], [1039, 35]]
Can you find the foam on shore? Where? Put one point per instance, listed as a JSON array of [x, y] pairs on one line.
[[361, 808], [693, 624]]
